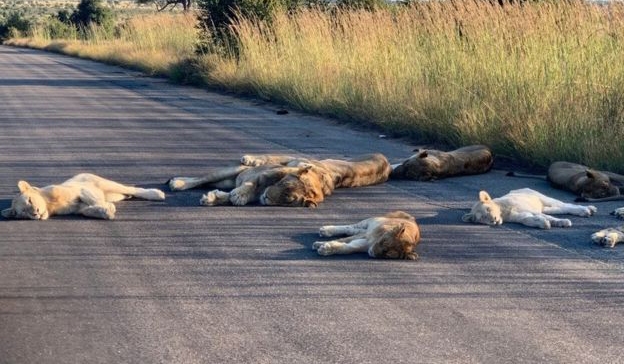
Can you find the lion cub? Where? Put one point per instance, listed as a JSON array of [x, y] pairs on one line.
[[524, 206], [85, 194], [394, 235]]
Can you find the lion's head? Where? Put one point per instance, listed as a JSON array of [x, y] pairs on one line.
[[598, 185], [306, 188], [417, 167], [29, 204], [485, 211], [398, 242]]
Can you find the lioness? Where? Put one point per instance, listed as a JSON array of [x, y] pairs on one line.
[[524, 206], [587, 183], [85, 194], [431, 164], [608, 237], [394, 235], [285, 180]]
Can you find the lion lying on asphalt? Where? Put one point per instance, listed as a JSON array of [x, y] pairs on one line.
[[285, 180], [608, 237], [394, 235], [524, 206], [589, 184], [431, 164], [85, 194]]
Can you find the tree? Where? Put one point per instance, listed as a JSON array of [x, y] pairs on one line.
[[163, 4], [92, 12]]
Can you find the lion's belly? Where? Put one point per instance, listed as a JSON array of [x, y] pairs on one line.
[[520, 203]]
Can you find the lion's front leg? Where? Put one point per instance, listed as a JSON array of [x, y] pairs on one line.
[[106, 211], [608, 237], [337, 230], [530, 219], [341, 246], [243, 194], [217, 177]]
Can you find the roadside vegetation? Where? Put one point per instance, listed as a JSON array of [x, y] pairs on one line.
[[541, 81]]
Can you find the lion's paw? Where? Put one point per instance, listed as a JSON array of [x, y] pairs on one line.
[[619, 213], [239, 198], [317, 244], [589, 211], [157, 194], [563, 223], [325, 249], [250, 160], [325, 231], [176, 184], [208, 199]]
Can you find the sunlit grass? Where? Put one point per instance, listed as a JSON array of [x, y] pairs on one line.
[[541, 81], [151, 43]]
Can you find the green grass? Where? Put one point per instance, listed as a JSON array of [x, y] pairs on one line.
[[541, 82]]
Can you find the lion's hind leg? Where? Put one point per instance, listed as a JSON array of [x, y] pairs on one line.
[[608, 237], [255, 160], [563, 208]]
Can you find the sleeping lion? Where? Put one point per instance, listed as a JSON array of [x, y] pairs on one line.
[[394, 236], [85, 194], [589, 184], [608, 237], [285, 180], [431, 164], [524, 206]]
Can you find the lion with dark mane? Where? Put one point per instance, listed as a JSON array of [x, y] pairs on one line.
[[285, 180]]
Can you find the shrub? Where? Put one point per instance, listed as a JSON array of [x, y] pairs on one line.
[[92, 12], [14, 25]]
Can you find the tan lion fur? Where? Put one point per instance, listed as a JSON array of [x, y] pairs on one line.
[[609, 237], [590, 184], [524, 206], [285, 180], [85, 194], [431, 164], [393, 236]]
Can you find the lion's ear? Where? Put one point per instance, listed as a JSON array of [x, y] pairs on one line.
[[399, 229], [469, 217], [303, 170], [589, 173], [484, 196], [8, 213], [423, 154], [23, 186], [309, 203]]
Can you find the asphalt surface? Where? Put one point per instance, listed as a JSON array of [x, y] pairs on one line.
[[175, 282]]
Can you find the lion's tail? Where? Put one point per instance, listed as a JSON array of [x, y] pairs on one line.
[[525, 175]]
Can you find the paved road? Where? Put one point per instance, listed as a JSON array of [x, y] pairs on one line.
[[173, 282]]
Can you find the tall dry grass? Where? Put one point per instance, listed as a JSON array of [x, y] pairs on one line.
[[154, 43], [542, 81]]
